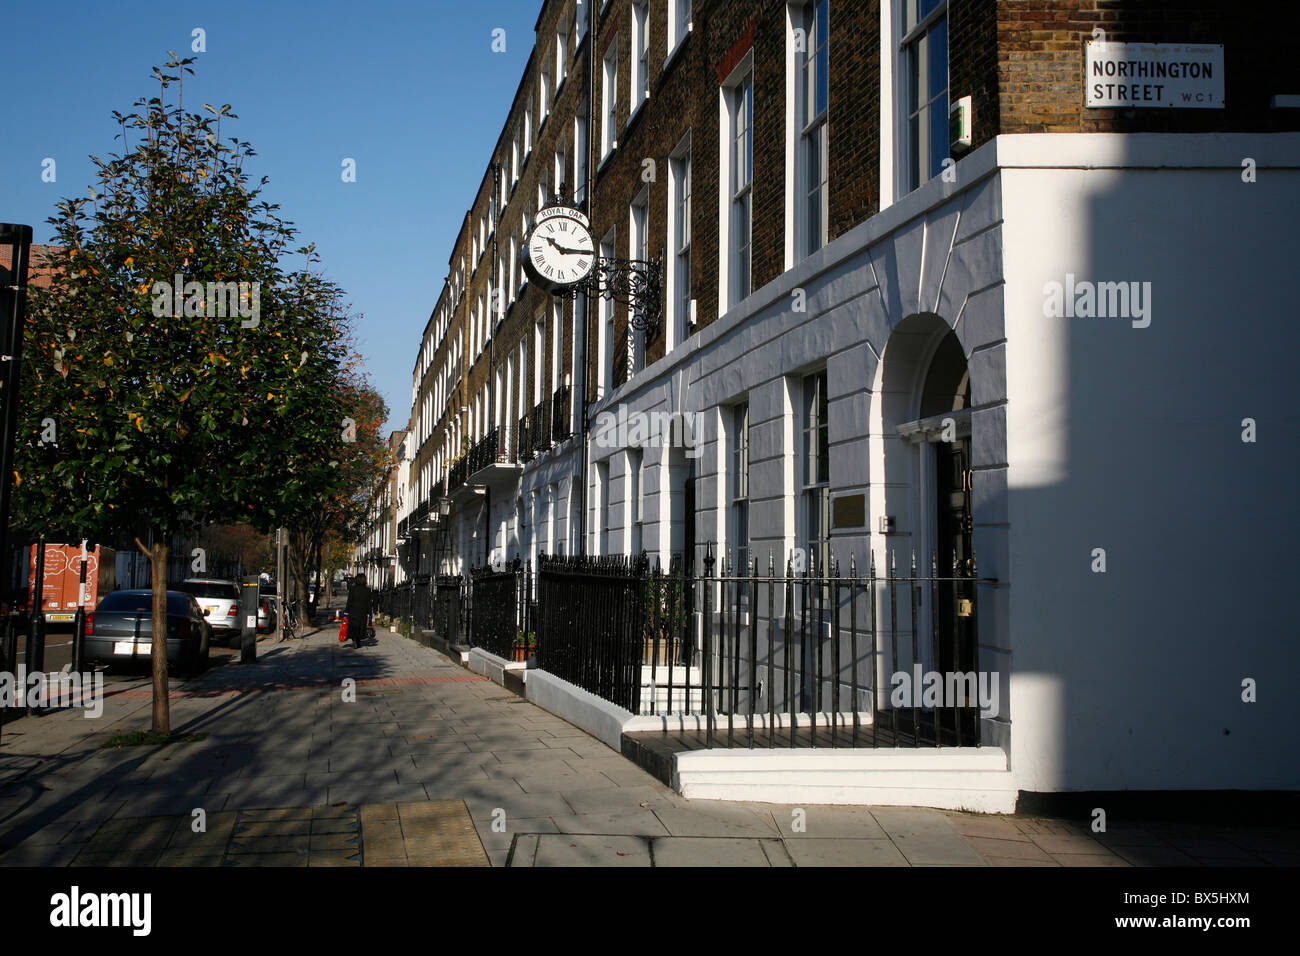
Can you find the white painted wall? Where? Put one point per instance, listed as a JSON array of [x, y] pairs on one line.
[[1129, 439]]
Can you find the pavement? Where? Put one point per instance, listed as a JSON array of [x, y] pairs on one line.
[[394, 755]]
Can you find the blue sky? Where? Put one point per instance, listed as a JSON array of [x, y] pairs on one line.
[[411, 90]]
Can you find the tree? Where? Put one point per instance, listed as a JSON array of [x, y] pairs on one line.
[[347, 475], [173, 350]]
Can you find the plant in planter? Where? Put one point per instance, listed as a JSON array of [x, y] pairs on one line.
[[525, 646]]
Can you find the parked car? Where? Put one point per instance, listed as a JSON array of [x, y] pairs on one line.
[[120, 630], [220, 603], [268, 610]]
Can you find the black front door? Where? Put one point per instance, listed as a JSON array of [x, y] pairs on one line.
[[955, 631]]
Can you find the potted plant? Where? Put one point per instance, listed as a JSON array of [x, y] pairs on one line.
[[525, 647]]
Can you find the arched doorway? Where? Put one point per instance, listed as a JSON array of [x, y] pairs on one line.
[[922, 422]]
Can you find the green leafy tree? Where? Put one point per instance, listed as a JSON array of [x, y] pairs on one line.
[[151, 409], [345, 475]]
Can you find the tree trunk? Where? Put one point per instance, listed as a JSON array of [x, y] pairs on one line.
[[158, 562], [299, 569]]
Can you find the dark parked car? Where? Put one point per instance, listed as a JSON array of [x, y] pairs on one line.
[[120, 630], [219, 600]]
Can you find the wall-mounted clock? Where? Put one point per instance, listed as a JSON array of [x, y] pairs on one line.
[[559, 252]]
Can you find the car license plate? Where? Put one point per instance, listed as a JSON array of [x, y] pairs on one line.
[[62, 617], [124, 647]]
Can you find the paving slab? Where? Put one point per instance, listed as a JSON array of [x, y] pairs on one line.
[[702, 820], [708, 851], [634, 822], [926, 838], [581, 850]]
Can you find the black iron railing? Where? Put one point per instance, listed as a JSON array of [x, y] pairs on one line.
[[488, 450], [560, 414], [421, 600], [451, 608], [502, 618], [456, 476], [539, 428], [523, 440], [817, 658], [591, 614]]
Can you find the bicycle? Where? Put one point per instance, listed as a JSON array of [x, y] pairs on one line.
[[288, 623]]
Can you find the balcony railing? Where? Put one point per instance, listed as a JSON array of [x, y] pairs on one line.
[[524, 440], [456, 477], [560, 414], [540, 427], [489, 450]]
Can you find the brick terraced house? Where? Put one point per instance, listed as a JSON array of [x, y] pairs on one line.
[[963, 279]]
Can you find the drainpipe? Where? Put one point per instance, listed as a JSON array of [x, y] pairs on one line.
[[586, 319]]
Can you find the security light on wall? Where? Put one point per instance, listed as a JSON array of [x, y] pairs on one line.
[[959, 126]]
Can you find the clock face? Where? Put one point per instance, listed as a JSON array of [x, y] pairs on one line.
[[561, 252]]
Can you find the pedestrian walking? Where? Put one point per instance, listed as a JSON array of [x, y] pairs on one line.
[[358, 610]]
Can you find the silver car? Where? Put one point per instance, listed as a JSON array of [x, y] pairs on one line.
[[219, 600]]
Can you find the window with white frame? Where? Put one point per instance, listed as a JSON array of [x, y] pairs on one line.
[[580, 149], [581, 11], [635, 513], [638, 247], [924, 78], [609, 101], [816, 473], [528, 129], [679, 228], [561, 166], [514, 162], [515, 285], [812, 96], [605, 325], [543, 190], [679, 23], [561, 53], [605, 504], [739, 482], [504, 284], [539, 358], [640, 86], [557, 342], [738, 139], [522, 393], [544, 97]]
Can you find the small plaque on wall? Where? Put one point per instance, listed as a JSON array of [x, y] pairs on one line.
[[849, 511]]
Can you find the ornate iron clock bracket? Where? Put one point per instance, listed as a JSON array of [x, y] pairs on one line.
[[636, 283]]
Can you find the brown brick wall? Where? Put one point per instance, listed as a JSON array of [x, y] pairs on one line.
[[1022, 61], [1041, 63]]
